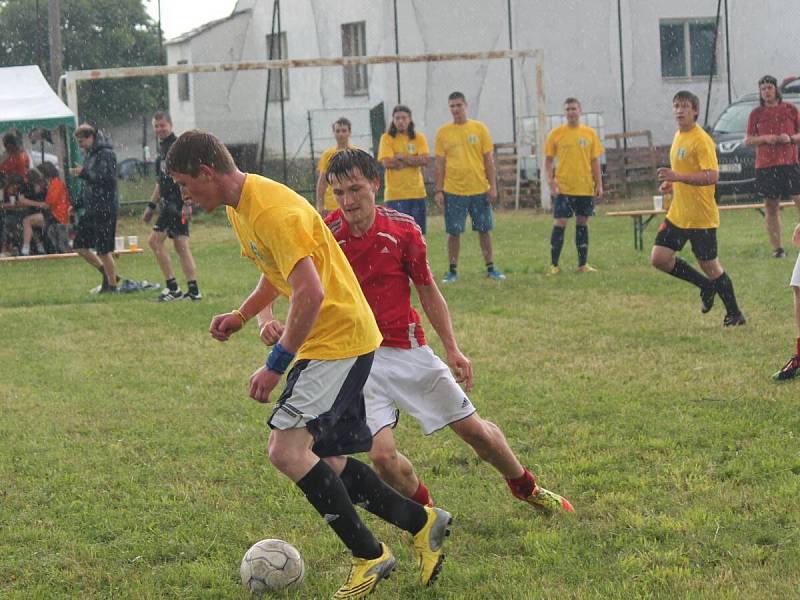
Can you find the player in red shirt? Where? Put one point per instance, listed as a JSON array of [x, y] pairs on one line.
[[386, 249], [774, 129]]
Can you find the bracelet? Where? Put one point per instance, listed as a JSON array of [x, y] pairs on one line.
[[279, 359], [239, 314], [151, 205]]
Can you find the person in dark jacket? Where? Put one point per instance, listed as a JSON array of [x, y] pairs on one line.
[[97, 205]]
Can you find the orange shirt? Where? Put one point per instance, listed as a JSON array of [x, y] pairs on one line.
[[18, 164], [58, 200]]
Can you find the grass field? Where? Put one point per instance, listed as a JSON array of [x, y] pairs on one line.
[[133, 465]]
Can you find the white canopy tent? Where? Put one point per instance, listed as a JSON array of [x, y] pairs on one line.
[[28, 102]]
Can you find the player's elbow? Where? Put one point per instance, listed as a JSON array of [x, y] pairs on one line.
[[713, 177]]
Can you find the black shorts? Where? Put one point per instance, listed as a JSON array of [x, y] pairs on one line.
[[96, 229], [170, 219], [778, 182], [704, 241], [336, 418], [565, 206]]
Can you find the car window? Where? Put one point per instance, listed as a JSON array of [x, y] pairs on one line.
[[734, 119]]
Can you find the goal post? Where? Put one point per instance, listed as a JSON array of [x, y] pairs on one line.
[[72, 79]]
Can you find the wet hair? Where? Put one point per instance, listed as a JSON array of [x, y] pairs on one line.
[[343, 121], [10, 142], [392, 131], [771, 80], [162, 114], [457, 96], [687, 96], [48, 170], [345, 163], [195, 148], [84, 130], [572, 100]]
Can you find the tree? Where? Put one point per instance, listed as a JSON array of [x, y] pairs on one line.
[[96, 34]]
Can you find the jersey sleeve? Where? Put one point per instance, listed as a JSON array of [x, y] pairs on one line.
[[597, 145], [550, 145], [290, 239], [415, 258], [322, 166], [385, 147], [487, 144], [707, 154]]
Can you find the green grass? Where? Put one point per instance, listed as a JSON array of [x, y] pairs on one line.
[[133, 465]]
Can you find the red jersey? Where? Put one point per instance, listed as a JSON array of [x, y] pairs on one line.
[[58, 200], [385, 259], [774, 120]]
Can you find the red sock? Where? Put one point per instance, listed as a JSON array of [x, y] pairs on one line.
[[798, 347], [523, 486], [422, 496]]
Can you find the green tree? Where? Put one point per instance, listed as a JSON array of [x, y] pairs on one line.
[[95, 34]]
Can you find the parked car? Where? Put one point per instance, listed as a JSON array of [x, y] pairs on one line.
[[737, 162]]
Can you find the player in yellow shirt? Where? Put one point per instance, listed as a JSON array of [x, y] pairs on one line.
[[320, 415], [575, 149], [466, 181], [404, 152], [693, 215], [325, 202]]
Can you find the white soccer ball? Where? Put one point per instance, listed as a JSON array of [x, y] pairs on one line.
[[272, 566]]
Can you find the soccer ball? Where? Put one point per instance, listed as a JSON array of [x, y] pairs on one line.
[[272, 566]]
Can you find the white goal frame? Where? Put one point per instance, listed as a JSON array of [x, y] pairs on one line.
[[73, 77]]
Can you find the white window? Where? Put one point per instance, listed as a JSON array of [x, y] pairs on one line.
[[183, 84], [354, 43], [687, 48], [276, 49]]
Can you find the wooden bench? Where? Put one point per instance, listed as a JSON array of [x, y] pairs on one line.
[[64, 255], [640, 223]]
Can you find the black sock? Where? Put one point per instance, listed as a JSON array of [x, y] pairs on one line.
[[490, 267], [326, 492], [172, 284], [724, 287], [556, 243], [682, 270], [192, 285], [582, 243], [367, 489], [453, 267]]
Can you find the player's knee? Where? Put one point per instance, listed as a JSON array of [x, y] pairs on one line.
[[383, 458], [154, 242], [280, 456]]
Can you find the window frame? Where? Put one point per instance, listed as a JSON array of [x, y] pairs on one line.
[[686, 24], [354, 43]]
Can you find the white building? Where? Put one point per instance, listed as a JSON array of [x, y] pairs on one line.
[[666, 46]]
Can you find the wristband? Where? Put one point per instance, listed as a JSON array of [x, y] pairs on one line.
[[151, 205], [239, 314], [279, 359], [439, 192]]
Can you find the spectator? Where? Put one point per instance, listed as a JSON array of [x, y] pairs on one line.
[[774, 129], [342, 128], [31, 196], [15, 161], [466, 181], [55, 218], [404, 152], [97, 208]]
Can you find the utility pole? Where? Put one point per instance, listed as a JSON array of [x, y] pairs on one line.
[[54, 22]]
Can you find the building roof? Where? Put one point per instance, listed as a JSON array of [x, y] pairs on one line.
[[185, 37]]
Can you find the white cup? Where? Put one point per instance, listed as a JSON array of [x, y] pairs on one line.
[[133, 242], [119, 243], [12, 199], [658, 202]]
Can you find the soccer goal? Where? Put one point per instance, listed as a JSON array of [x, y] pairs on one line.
[[237, 102]]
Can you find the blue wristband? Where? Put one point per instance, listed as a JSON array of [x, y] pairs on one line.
[[279, 359]]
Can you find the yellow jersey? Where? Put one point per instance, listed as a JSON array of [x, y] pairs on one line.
[[574, 148], [463, 147], [276, 228], [693, 206], [406, 183], [330, 202]]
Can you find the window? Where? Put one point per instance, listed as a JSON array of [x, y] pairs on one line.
[[276, 49], [687, 48], [183, 84], [354, 43]]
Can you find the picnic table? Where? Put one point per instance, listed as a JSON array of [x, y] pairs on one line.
[[63, 255], [640, 223]]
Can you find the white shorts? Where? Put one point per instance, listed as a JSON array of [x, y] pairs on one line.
[[795, 282], [417, 382]]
